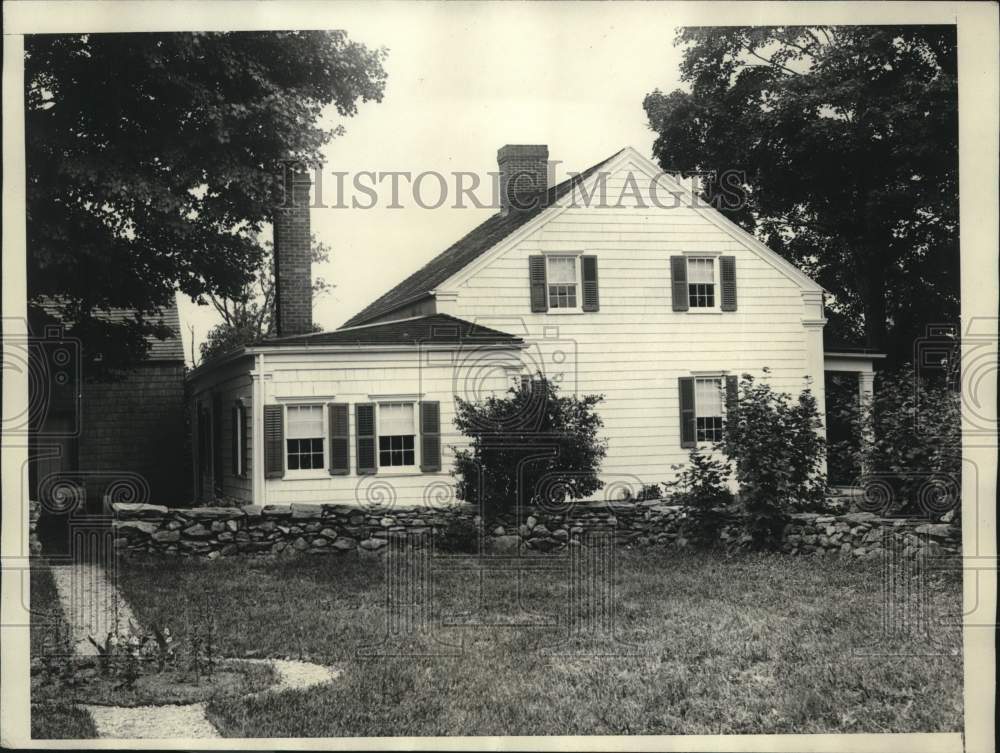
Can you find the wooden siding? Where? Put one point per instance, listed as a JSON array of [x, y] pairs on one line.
[[634, 349], [352, 378]]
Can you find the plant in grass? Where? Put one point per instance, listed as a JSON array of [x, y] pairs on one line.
[[458, 536], [529, 445], [105, 653], [702, 491], [912, 439], [775, 445]]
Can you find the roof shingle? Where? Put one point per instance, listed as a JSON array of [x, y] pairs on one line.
[[431, 329]]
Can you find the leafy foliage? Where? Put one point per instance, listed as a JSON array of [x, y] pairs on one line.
[[843, 143], [911, 458], [249, 317], [778, 455], [155, 160], [529, 445], [701, 488], [459, 536]]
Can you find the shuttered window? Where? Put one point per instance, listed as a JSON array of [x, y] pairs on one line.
[[588, 271], [364, 430], [305, 438], [708, 401], [340, 440], [396, 435], [430, 436], [701, 283], [562, 282], [238, 443], [274, 441]]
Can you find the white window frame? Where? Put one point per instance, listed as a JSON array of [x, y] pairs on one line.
[[324, 423], [721, 379], [716, 285], [405, 470], [575, 255]]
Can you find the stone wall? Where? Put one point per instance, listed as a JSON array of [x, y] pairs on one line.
[[341, 529]]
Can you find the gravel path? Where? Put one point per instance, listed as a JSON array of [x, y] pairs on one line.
[[91, 603], [93, 607], [297, 675], [157, 722]]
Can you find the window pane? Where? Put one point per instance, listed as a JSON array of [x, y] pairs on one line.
[[396, 450], [701, 270], [708, 397], [396, 418], [562, 269], [305, 421], [562, 296]]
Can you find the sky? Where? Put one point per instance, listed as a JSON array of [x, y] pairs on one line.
[[463, 80]]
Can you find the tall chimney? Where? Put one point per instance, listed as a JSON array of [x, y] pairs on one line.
[[293, 258], [524, 170]]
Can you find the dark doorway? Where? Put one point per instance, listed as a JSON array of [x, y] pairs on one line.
[[841, 391]]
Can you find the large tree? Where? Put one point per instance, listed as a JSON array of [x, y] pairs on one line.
[[848, 140], [154, 161]]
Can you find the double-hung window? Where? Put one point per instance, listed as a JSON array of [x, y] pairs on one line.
[[701, 283], [708, 408], [563, 281], [396, 435], [304, 437]]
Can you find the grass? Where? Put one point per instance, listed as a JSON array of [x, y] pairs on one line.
[[750, 644], [52, 717]]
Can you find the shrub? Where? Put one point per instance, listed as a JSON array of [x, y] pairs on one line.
[[910, 459], [774, 444], [459, 536], [701, 489], [530, 445]]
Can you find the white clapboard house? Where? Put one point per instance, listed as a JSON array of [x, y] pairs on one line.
[[617, 281]]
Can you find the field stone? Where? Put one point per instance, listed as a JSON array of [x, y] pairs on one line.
[[344, 543], [197, 531], [373, 544], [301, 544], [167, 536], [130, 510]]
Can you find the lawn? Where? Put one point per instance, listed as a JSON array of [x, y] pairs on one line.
[[53, 715], [749, 644]]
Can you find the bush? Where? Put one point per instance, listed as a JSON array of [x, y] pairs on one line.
[[774, 444], [528, 446], [459, 536], [911, 459], [701, 489]]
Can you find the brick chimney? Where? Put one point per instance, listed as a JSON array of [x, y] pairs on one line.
[[524, 171], [293, 258]]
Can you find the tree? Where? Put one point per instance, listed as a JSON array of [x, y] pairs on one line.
[[528, 446], [154, 161], [249, 317], [844, 141], [773, 441]]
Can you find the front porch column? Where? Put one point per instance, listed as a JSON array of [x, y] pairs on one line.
[[866, 385]]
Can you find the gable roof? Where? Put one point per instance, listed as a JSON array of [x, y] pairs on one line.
[[167, 349], [457, 256], [430, 329]]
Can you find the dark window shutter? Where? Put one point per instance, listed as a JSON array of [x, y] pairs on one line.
[[686, 391], [536, 279], [340, 440], [364, 429], [679, 283], [245, 439], [727, 277], [274, 441], [430, 436], [591, 298], [732, 397], [218, 458], [234, 433]]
